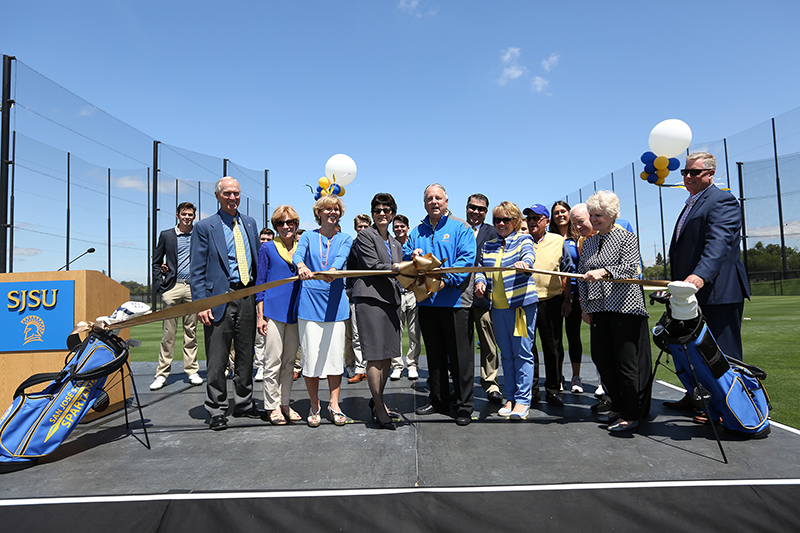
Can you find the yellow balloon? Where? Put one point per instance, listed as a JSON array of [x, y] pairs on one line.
[[660, 181], [661, 162], [662, 173], [324, 182], [644, 175], [323, 192], [341, 190]]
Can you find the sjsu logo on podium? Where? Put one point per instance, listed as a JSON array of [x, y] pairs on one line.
[[39, 315], [32, 299], [34, 329]]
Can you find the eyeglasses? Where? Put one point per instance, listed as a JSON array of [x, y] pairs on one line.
[[290, 222], [693, 171], [478, 208], [382, 210], [504, 220]]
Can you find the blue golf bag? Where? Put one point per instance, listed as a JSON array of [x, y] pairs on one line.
[[37, 423], [730, 389]]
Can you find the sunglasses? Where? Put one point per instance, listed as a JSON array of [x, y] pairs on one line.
[[504, 220], [290, 222], [382, 210], [534, 218], [694, 172], [478, 208]]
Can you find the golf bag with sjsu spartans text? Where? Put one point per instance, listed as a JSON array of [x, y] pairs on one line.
[[732, 390], [37, 423]]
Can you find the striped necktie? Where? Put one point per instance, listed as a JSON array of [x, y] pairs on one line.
[[241, 253]]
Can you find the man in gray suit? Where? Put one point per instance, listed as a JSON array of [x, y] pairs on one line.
[[171, 278], [224, 257]]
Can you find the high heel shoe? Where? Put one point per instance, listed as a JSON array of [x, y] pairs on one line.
[[337, 417], [394, 415], [383, 425]]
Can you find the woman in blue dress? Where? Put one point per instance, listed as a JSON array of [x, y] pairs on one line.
[[323, 306], [277, 315]]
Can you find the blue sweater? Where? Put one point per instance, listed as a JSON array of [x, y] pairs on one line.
[[452, 242]]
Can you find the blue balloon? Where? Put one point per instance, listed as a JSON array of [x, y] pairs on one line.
[[319, 189], [336, 188], [674, 164], [317, 196], [652, 178], [648, 158], [649, 168]]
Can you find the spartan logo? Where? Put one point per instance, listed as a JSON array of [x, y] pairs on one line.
[[34, 329]]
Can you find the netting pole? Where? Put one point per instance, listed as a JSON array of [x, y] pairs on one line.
[[68, 213], [109, 222], [154, 226], [780, 203], [5, 138], [740, 167]]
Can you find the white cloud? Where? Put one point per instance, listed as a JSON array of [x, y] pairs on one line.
[[87, 111], [511, 68], [412, 7], [551, 61], [539, 84], [26, 251], [790, 228], [131, 182]]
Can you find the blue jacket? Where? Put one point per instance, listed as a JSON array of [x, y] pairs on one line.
[[209, 259], [708, 247], [453, 243]]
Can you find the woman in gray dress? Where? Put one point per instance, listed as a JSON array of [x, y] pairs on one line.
[[377, 302]]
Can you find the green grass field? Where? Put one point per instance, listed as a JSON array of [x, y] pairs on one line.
[[770, 333]]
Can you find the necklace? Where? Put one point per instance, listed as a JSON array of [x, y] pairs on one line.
[[324, 258]]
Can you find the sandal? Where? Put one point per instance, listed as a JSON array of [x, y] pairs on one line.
[[337, 417], [313, 419], [624, 425], [276, 418], [291, 415]]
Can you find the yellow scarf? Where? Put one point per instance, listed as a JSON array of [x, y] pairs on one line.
[[285, 254], [500, 301]]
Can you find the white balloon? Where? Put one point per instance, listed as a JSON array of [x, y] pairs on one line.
[[342, 167], [670, 138]]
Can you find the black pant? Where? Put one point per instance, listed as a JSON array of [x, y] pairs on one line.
[[445, 331], [615, 347], [549, 324], [238, 324], [572, 327]]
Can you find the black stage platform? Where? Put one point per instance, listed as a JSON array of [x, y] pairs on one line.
[[560, 468]]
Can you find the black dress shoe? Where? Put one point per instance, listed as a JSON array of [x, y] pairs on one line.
[[463, 419], [684, 404], [250, 412], [554, 399], [428, 409], [383, 425], [536, 396], [603, 406], [495, 397], [219, 423]]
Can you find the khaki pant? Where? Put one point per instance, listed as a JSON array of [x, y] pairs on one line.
[[177, 295]]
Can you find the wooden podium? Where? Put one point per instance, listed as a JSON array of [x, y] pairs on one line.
[[95, 294]]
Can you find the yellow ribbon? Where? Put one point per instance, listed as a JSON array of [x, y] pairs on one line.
[[412, 276], [521, 324]]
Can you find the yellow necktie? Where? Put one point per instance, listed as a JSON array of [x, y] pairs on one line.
[[241, 253]]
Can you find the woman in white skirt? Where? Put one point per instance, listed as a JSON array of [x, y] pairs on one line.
[[323, 306]]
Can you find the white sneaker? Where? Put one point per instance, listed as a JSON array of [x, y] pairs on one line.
[[599, 392], [194, 379], [259, 374], [158, 383], [577, 385], [412, 373], [396, 373]]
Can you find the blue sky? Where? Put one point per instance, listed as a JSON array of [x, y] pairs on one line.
[[521, 100]]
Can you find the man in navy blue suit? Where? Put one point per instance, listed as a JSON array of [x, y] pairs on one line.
[[705, 251], [223, 258]]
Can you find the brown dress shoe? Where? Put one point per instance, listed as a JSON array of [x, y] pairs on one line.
[[297, 376], [683, 404], [356, 378]]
